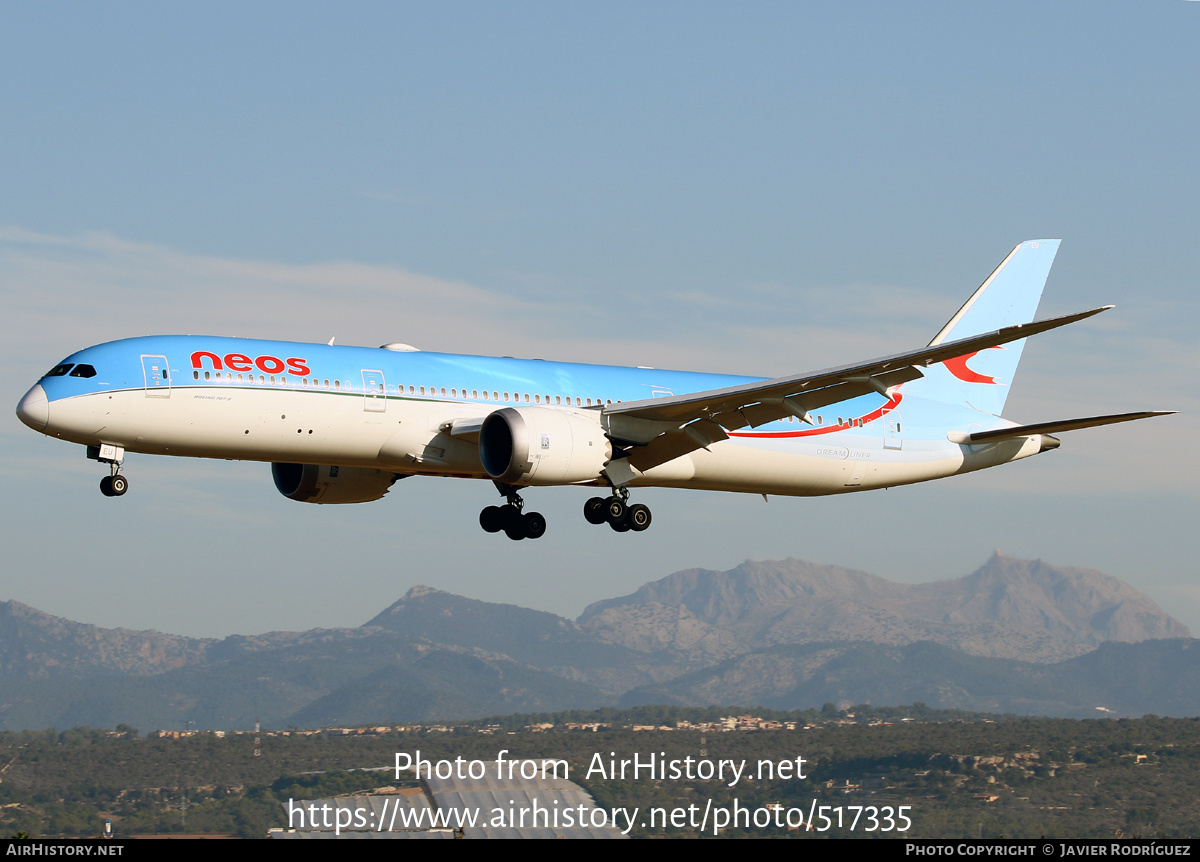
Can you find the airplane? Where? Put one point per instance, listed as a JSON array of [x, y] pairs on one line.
[[342, 424]]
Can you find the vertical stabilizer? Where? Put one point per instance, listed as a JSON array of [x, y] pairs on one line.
[[1009, 296]]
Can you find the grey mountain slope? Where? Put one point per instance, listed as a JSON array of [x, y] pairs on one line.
[[340, 677], [34, 645], [1009, 608], [536, 638], [1128, 680], [435, 655]]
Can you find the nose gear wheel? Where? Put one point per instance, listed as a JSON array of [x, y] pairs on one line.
[[114, 485]]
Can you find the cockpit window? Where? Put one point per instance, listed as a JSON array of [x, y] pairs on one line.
[[59, 370], [83, 371]]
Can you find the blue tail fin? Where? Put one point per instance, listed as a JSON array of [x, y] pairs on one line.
[[1008, 297]]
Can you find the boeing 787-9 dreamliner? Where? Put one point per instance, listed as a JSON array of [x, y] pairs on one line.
[[341, 424]]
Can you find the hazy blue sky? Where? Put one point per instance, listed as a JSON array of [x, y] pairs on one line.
[[763, 190]]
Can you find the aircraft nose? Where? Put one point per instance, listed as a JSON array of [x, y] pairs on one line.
[[34, 408]]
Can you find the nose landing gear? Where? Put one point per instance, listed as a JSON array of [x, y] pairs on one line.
[[114, 484]]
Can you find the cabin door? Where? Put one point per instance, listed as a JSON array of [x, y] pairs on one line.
[[374, 391], [157, 376], [893, 435]]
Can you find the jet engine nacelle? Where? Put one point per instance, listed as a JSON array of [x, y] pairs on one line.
[[312, 483], [541, 446]]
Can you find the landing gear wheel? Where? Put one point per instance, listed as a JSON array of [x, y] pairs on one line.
[[492, 519], [512, 522], [106, 486], [615, 510], [621, 526], [509, 518], [638, 517], [535, 525], [593, 510], [118, 484]]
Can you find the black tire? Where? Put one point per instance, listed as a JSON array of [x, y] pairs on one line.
[[535, 525], [620, 526], [106, 486], [593, 510], [615, 510], [638, 517], [492, 519], [516, 530], [510, 519], [119, 485]]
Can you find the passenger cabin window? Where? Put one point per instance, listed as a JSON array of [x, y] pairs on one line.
[[83, 371], [59, 370]]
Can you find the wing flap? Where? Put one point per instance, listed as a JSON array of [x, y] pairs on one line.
[[681, 441]]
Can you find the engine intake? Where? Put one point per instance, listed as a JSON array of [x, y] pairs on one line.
[[541, 446], [312, 483]]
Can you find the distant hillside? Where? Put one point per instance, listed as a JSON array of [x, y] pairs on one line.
[[1014, 636], [1009, 608], [536, 638], [338, 676], [1161, 677], [34, 645]]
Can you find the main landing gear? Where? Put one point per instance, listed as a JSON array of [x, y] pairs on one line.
[[510, 520], [616, 510]]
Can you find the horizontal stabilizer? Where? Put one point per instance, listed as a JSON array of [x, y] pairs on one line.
[[1054, 427]]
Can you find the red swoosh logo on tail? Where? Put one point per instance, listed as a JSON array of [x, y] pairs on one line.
[[958, 367]]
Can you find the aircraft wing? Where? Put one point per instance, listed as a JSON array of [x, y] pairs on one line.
[[661, 429]]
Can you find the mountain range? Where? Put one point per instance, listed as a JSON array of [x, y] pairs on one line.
[[1014, 636]]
